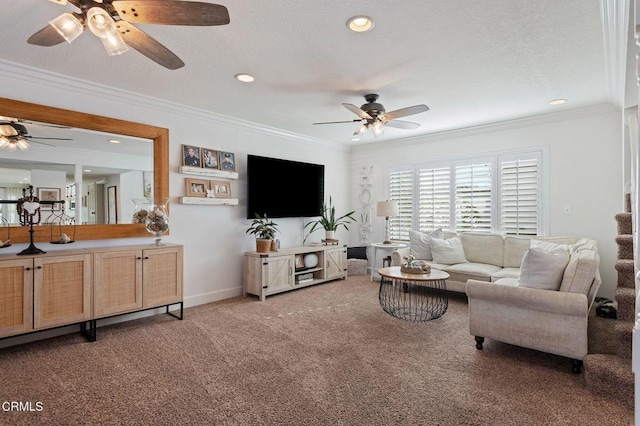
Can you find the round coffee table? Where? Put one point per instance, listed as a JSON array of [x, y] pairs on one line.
[[413, 297]]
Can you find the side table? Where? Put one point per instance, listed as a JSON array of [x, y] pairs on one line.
[[385, 247]]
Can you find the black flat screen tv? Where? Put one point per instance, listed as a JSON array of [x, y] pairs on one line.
[[283, 188]]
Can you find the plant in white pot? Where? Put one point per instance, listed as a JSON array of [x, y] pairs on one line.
[[329, 222], [265, 231]]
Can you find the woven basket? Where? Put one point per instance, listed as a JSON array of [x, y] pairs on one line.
[[416, 269]]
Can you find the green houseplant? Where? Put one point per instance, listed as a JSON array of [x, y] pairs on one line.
[[329, 222], [265, 231]]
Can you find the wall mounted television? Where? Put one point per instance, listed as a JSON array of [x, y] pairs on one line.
[[283, 188]]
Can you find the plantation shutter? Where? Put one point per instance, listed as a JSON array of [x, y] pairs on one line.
[[434, 199], [401, 189], [473, 197], [519, 196]]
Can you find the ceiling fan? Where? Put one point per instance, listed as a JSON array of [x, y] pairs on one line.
[[373, 115], [111, 21], [14, 135]]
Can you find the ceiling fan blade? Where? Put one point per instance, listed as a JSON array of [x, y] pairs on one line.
[[171, 12], [51, 139], [48, 36], [41, 143], [337, 122], [148, 46], [403, 112], [357, 111], [402, 124]]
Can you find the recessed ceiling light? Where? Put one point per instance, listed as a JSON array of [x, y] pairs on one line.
[[245, 78], [114, 141], [360, 24], [87, 170], [557, 102], [355, 139]]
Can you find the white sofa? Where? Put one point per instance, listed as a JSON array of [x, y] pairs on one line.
[[524, 311]]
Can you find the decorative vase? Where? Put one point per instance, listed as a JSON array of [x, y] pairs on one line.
[[140, 209], [310, 260], [328, 235], [157, 220]]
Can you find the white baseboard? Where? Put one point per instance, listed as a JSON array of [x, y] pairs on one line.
[[214, 296]]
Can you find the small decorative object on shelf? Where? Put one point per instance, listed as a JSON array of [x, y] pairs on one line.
[[413, 266], [5, 233], [157, 221], [62, 227], [140, 210]]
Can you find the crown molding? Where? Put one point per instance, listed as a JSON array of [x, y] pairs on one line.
[[37, 76], [517, 123]]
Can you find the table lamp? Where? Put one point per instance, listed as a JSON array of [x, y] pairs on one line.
[[387, 209]]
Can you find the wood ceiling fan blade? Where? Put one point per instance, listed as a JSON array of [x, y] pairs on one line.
[[171, 12], [338, 122], [402, 124], [50, 139], [357, 111], [148, 46], [403, 112], [48, 36]]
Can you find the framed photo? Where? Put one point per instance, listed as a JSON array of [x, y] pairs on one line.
[[196, 187], [191, 156], [50, 194], [147, 181], [210, 159], [299, 261], [221, 188], [112, 206], [227, 161]]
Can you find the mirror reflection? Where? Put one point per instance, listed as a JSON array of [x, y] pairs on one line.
[[101, 177]]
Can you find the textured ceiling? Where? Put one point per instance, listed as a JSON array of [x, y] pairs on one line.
[[471, 62]]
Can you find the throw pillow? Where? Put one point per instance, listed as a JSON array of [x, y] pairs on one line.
[[447, 252], [548, 246], [419, 243], [543, 269]]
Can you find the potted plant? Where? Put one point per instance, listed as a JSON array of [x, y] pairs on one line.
[[329, 222], [265, 231]]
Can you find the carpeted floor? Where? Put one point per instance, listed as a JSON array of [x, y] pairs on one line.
[[324, 355]]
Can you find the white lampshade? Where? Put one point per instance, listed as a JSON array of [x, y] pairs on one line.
[[388, 208]]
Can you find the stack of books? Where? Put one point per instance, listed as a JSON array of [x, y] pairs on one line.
[[304, 278]]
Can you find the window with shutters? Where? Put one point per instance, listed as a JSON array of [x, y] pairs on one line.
[[496, 193]]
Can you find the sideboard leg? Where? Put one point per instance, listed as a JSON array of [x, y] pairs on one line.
[[181, 316], [479, 342], [91, 334]]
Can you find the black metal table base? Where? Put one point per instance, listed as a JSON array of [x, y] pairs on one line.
[[413, 300]]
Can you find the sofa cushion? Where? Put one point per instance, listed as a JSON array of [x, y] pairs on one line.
[[471, 270], [419, 243], [447, 251], [514, 250], [483, 247], [549, 246], [583, 244], [505, 273], [542, 269], [513, 282], [580, 272]]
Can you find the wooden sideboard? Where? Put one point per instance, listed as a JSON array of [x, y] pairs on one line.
[[275, 272], [80, 286]]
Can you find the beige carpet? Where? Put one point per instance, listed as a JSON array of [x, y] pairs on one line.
[[324, 355]]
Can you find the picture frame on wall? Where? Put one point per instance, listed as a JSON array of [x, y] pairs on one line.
[[50, 194], [196, 187], [191, 156], [220, 188], [210, 159], [227, 161]]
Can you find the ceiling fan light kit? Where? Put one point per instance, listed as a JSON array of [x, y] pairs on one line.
[[68, 26], [111, 21], [373, 116]]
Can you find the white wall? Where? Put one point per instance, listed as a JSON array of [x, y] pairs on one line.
[[585, 162], [214, 236]]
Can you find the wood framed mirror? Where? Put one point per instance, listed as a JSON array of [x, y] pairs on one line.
[[159, 136]]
